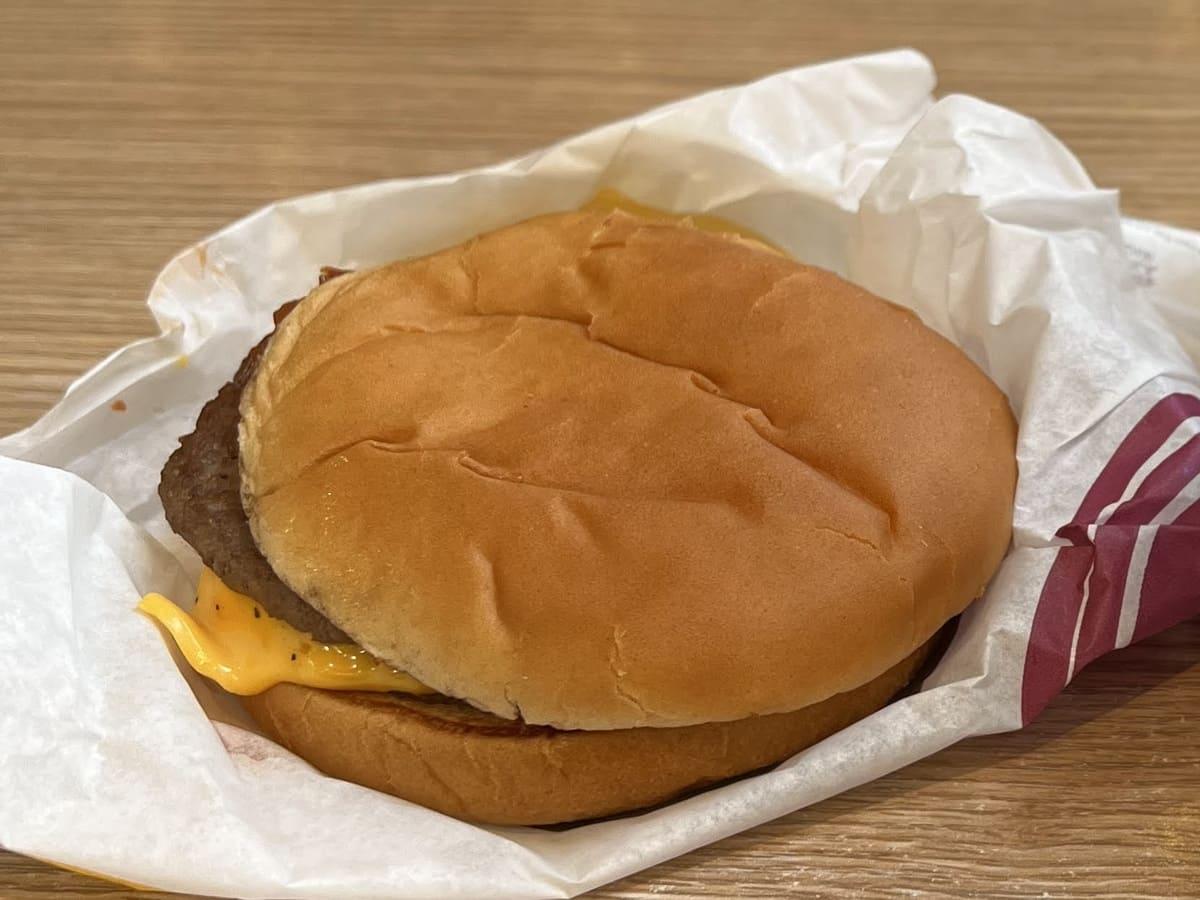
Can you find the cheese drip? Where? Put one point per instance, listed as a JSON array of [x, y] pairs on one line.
[[229, 638]]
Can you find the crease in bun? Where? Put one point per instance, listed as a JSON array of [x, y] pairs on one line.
[[600, 472]]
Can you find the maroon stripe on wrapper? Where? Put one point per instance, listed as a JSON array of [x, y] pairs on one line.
[[1115, 542], [1048, 654], [1189, 518], [1171, 584], [1161, 486], [1106, 592], [1047, 659], [1139, 445]]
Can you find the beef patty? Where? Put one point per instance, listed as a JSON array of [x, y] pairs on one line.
[[201, 495]]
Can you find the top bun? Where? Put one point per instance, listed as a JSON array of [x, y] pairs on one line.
[[598, 471]]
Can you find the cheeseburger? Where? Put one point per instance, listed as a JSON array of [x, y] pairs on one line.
[[583, 514]]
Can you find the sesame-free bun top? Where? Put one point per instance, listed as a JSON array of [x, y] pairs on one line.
[[598, 471]]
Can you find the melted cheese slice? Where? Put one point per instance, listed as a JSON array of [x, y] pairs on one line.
[[229, 638]]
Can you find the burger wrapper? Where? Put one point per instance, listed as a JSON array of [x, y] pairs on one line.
[[117, 761]]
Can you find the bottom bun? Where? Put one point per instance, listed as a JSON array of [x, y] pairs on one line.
[[453, 758]]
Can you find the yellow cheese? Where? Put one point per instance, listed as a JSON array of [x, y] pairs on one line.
[[230, 638]]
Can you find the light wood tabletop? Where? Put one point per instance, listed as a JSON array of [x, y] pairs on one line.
[[131, 129]]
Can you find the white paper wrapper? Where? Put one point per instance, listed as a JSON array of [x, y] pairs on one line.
[[972, 215]]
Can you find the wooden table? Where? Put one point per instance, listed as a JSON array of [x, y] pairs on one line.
[[131, 129]]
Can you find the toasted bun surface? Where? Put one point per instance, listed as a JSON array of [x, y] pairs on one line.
[[455, 759], [598, 472]]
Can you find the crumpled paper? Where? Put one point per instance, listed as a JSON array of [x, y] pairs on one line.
[[972, 215]]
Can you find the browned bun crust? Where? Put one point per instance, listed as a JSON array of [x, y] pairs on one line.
[[598, 472], [453, 758]]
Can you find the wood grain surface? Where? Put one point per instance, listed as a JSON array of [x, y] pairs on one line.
[[130, 129]]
